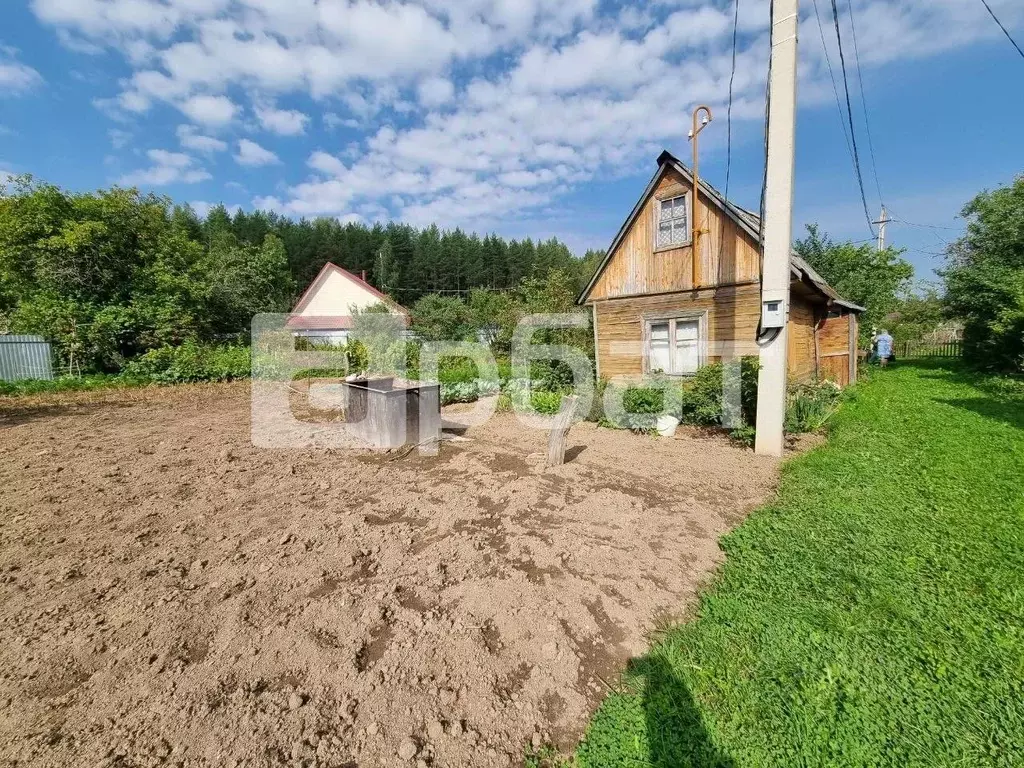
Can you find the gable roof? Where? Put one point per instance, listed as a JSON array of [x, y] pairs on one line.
[[326, 272], [748, 221]]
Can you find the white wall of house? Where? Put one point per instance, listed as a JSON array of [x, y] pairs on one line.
[[337, 295]]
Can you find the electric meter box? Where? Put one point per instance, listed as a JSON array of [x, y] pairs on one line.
[[773, 314]]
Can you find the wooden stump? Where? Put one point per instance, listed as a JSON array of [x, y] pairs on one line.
[[560, 431]]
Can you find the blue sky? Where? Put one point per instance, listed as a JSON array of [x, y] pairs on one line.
[[524, 117]]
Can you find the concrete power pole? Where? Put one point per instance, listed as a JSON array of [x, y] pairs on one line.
[[882, 221], [778, 229]]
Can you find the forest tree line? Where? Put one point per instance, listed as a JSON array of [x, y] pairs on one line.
[[109, 275]]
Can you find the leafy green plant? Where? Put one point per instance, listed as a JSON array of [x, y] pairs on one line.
[[700, 397], [191, 362], [744, 435], [597, 406], [984, 279], [810, 406], [546, 402]]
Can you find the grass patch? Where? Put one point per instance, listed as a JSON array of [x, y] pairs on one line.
[[872, 616], [88, 383]]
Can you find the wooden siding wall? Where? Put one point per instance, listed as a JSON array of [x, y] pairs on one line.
[[732, 314], [728, 255], [802, 355], [834, 348]]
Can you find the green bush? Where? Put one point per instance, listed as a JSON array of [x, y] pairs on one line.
[[700, 397], [546, 402], [810, 406], [191, 362]]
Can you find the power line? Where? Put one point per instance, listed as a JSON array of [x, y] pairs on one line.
[[849, 113], [921, 226], [832, 77], [1005, 31], [864, 103], [728, 115]]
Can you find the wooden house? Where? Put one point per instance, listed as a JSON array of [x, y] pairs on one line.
[[324, 313], [650, 314]]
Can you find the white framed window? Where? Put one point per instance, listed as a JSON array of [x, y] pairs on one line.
[[672, 222], [675, 345]]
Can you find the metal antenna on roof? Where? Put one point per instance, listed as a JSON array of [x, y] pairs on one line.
[[695, 239]]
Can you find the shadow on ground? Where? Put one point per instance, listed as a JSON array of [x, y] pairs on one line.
[[676, 734], [1009, 412], [652, 721], [995, 404]]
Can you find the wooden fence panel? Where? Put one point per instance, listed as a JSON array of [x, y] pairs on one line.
[[914, 350]]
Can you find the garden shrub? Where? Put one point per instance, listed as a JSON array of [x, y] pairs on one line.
[[546, 402], [810, 406], [191, 362], [700, 397]]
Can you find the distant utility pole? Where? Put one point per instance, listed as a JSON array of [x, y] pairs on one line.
[[778, 230], [882, 221]]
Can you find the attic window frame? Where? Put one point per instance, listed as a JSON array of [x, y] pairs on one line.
[[685, 197]]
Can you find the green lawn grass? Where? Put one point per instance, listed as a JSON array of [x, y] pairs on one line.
[[873, 615]]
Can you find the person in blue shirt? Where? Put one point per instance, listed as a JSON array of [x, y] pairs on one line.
[[883, 347]]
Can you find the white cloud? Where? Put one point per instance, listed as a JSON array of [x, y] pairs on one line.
[[252, 154], [333, 121], [325, 163], [436, 91], [284, 122], [190, 138], [119, 139], [550, 93], [16, 78], [210, 110], [167, 168]]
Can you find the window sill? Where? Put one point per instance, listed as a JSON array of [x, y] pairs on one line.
[[664, 248]]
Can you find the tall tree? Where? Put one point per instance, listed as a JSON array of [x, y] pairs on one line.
[[859, 272], [385, 268], [984, 278]]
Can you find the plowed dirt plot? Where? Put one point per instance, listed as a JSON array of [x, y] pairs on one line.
[[171, 594]]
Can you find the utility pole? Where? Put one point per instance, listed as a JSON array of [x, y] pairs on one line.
[[882, 221], [778, 230]]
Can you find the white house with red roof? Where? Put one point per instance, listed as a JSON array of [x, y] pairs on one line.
[[324, 313]]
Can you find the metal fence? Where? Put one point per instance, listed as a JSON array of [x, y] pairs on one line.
[[911, 350], [25, 357]]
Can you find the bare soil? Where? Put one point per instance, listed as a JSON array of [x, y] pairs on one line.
[[170, 594]]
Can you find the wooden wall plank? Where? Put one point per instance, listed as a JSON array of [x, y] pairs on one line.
[[727, 254], [800, 347], [733, 314]]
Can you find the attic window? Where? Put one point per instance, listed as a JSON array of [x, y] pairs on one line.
[[672, 219]]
